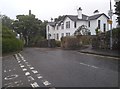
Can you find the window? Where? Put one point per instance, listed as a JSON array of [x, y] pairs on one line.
[[48, 28], [57, 36], [68, 24], [89, 24], [57, 28], [74, 24], [98, 24], [54, 36], [62, 26], [104, 27], [62, 34], [67, 34]]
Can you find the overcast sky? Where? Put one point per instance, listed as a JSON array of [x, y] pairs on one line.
[[45, 9]]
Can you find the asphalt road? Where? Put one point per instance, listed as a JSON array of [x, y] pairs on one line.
[[42, 67]]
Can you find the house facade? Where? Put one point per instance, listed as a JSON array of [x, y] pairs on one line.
[[70, 23]]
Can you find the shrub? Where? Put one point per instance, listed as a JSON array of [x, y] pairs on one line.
[[58, 43], [70, 43]]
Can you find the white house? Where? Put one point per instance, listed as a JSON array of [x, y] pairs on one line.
[[70, 23]]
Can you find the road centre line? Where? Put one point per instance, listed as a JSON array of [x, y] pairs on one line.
[[88, 65], [101, 56]]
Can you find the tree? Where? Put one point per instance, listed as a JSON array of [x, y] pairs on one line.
[[28, 26], [6, 21], [117, 11]]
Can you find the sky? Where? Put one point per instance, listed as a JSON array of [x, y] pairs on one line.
[[47, 9]]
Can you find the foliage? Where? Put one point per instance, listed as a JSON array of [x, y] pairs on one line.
[[9, 41], [70, 43], [6, 21], [29, 27], [58, 43], [103, 40], [117, 11]]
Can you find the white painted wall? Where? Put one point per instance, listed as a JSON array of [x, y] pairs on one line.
[[93, 26], [103, 20], [51, 31]]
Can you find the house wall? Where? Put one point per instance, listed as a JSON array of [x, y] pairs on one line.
[[51, 30], [94, 24], [103, 20]]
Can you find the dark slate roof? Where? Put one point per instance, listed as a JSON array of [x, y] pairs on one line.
[[52, 23], [96, 16], [75, 17]]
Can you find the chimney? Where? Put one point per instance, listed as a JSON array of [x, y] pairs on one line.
[[79, 13], [29, 12]]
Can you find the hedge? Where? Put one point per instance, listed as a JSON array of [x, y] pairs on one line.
[[9, 42]]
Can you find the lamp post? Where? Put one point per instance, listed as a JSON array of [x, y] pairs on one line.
[[110, 13]]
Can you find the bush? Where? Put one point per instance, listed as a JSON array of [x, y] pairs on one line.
[[70, 43], [58, 43]]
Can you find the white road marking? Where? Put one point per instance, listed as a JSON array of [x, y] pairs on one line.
[[39, 76], [30, 78], [24, 60], [9, 70], [101, 56], [28, 65], [34, 85], [11, 77], [19, 61], [27, 73], [31, 68], [46, 83], [5, 71], [24, 69], [88, 65], [22, 66], [34, 71]]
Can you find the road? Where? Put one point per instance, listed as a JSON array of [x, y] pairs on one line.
[[43, 67]]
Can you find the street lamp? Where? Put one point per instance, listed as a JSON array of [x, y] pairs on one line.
[[110, 13]]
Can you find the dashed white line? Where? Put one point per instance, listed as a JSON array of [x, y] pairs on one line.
[[46, 83], [28, 65], [27, 73], [89, 65], [34, 71], [30, 78], [34, 85], [5, 71], [39, 76], [9, 70], [101, 56], [31, 68], [24, 69], [22, 66]]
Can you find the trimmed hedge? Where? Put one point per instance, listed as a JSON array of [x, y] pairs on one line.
[[9, 42], [70, 42]]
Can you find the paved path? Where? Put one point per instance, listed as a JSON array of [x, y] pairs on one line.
[[40, 67]]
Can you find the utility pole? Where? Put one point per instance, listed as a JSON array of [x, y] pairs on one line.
[[110, 13]]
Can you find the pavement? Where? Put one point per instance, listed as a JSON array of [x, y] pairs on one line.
[[103, 52]]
